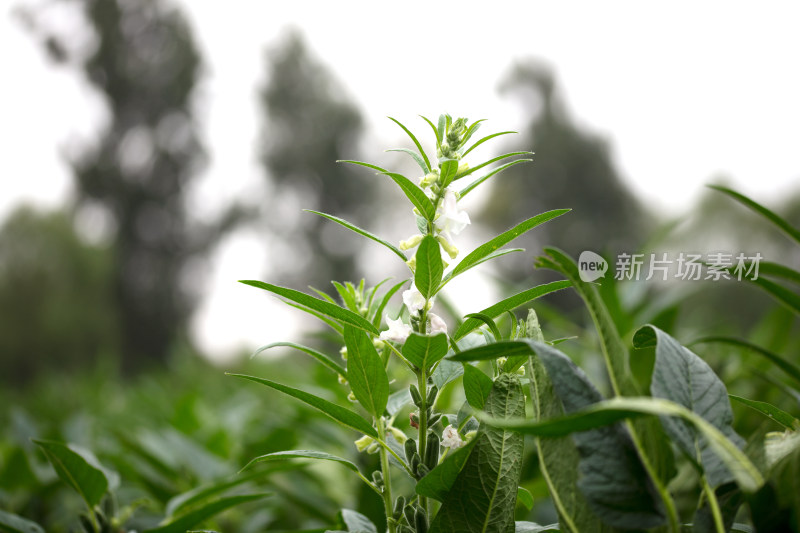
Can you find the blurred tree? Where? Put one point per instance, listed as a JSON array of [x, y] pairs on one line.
[[145, 64], [310, 124], [571, 168], [56, 310]]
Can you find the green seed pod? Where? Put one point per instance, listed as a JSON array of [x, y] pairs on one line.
[[402, 528], [408, 512], [432, 393], [411, 449], [421, 470], [420, 521], [377, 478], [434, 418], [416, 461], [432, 452], [87, 524], [415, 395], [399, 505]]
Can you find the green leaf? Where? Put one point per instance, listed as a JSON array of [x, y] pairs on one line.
[[525, 497], [489, 323], [363, 164], [483, 140], [768, 268], [357, 522], [477, 386], [416, 143], [344, 316], [484, 495], [416, 195], [365, 372], [398, 400], [778, 415], [428, 274], [189, 520], [469, 188], [782, 294], [184, 501], [493, 351], [435, 131], [504, 238], [16, 524], [319, 356], [449, 169], [301, 454], [489, 162], [782, 224], [470, 132], [76, 469], [438, 482], [360, 231], [424, 351], [612, 477], [415, 156], [509, 304], [610, 411], [442, 126], [788, 367], [682, 377], [344, 416], [385, 300]]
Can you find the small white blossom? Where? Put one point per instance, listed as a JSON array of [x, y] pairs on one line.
[[451, 219], [414, 300], [397, 332], [437, 324], [450, 438], [411, 242]]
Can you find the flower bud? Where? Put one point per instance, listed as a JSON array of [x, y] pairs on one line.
[[352, 397], [364, 442], [343, 352], [410, 448], [415, 395], [342, 380], [411, 242], [447, 246], [398, 435], [462, 167]]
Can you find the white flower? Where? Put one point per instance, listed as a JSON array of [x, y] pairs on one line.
[[437, 324], [450, 438], [414, 300], [397, 332], [411, 242], [451, 219]]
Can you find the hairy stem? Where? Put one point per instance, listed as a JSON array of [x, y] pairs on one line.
[[387, 481]]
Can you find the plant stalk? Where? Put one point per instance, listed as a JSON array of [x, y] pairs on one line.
[[387, 482]]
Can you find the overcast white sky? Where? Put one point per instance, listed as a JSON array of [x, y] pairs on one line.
[[684, 91]]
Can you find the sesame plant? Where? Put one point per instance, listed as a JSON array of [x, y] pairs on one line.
[[607, 463]]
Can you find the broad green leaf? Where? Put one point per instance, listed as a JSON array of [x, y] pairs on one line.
[[477, 386], [610, 411], [484, 139], [416, 195], [362, 232], [344, 416], [446, 372], [416, 142], [365, 372], [344, 316], [782, 224], [612, 477], [357, 522], [778, 415], [788, 367], [415, 156], [682, 377], [493, 351], [525, 497], [504, 238], [489, 162], [509, 304], [398, 400], [489, 257], [424, 351], [191, 519], [428, 274], [16, 524], [438, 482], [435, 131], [469, 188], [301, 454], [76, 470], [484, 495], [449, 169], [319, 356]]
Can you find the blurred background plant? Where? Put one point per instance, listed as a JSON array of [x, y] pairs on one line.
[[99, 295]]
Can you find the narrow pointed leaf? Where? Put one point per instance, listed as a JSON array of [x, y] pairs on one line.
[[365, 372], [778, 415], [489, 257], [682, 377], [489, 162], [17, 524], [191, 519], [493, 351], [788, 367], [415, 195], [363, 164], [525, 497], [182, 503], [768, 268], [340, 314], [416, 142], [782, 294], [489, 323], [384, 301], [782, 224], [504, 238], [319, 356], [301, 454], [484, 495], [76, 470], [469, 188], [428, 274], [346, 417], [477, 386], [435, 131], [484, 139], [415, 156], [424, 351], [360, 231], [509, 304]]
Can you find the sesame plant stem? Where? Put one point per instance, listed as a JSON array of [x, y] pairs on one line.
[[387, 481], [422, 385]]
